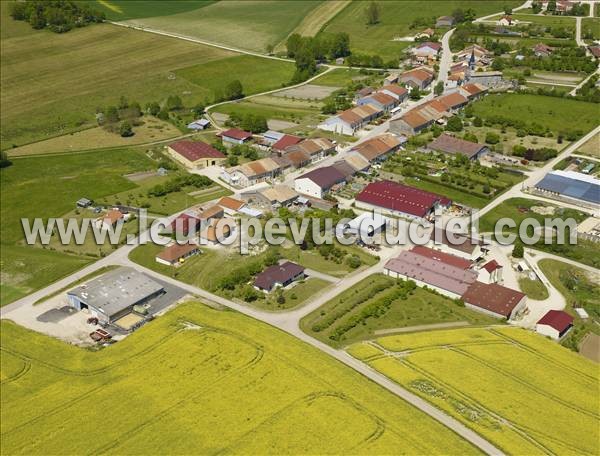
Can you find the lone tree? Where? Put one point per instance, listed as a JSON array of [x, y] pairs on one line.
[[439, 88], [373, 13], [234, 90], [125, 130], [518, 250], [454, 124]]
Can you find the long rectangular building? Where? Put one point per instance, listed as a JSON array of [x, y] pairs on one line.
[[572, 185]]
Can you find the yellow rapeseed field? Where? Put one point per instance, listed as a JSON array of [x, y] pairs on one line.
[[199, 381], [524, 393]]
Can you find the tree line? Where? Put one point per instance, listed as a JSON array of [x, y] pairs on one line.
[[57, 15]]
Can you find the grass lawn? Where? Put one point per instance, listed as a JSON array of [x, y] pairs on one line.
[[579, 288], [27, 269], [551, 21], [248, 25], [557, 114], [420, 307], [65, 77], [256, 74], [153, 129], [593, 25], [222, 363], [121, 10], [518, 209], [515, 388], [340, 77], [591, 148], [534, 289], [395, 19]]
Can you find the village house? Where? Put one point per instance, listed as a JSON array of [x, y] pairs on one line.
[[450, 145], [231, 206], [252, 173], [365, 91], [554, 324], [410, 123], [211, 213], [542, 50], [195, 154], [486, 78], [507, 21], [396, 91], [278, 275], [453, 101], [417, 78], [284, 142], [357, 161], [378, 148], [381, 100], [426, 52], [234, 136], [199, 124], [473, 91], [391, 79], [400, 200], [349, 121], [315, 148], [185, 223], [278, 195], [427, 33], [217, 230], [270, 137], [176, 254], [319, 181], [111, 219]]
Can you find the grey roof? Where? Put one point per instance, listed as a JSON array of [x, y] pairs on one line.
[[451, 145], [568, 185], [116, 290]]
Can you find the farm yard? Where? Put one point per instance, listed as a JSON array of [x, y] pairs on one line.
[[396, 18], [382, 304], [264, 390], [490, 380], [249, 25], [111, 62]]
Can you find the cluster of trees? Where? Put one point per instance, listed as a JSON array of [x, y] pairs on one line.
[[523, 128], [240, 150], [249, 122], [339, 100], [177, 183], [57, 15], [565, 58], [120, 118], [542, 154], [370, 61], [172, 103], [589, 91], [307, 51]]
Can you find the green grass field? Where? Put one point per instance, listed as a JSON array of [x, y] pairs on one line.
[[518, 209], [515, 388], [579, 288], [121, 10], [557, 114], [534, 289], [340, 77], [264, 391], [421, 307], [395, 19], [53, 83], [250, 25], [593, 25]]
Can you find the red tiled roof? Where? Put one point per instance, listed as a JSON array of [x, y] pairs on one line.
[[473, 89], [418, 74], [228, 202], [398, 197], [278, 273], [557, 319], [176, 251], [184, 223], [432, 45], [195, 150], [395, 89], [493, 297], [414, 119], [491, 266], [453, 100], [442, 257], [286, 141], [236, 133]]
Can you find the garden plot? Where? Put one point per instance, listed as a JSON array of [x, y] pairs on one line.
[[308, 92]]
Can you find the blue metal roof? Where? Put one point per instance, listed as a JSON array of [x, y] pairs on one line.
[[586, 191]]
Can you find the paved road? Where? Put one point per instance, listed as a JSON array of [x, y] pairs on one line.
[[446, 59]]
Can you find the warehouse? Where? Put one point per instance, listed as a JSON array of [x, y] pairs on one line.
[[113, 295], [571, 184], [554, 324]]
